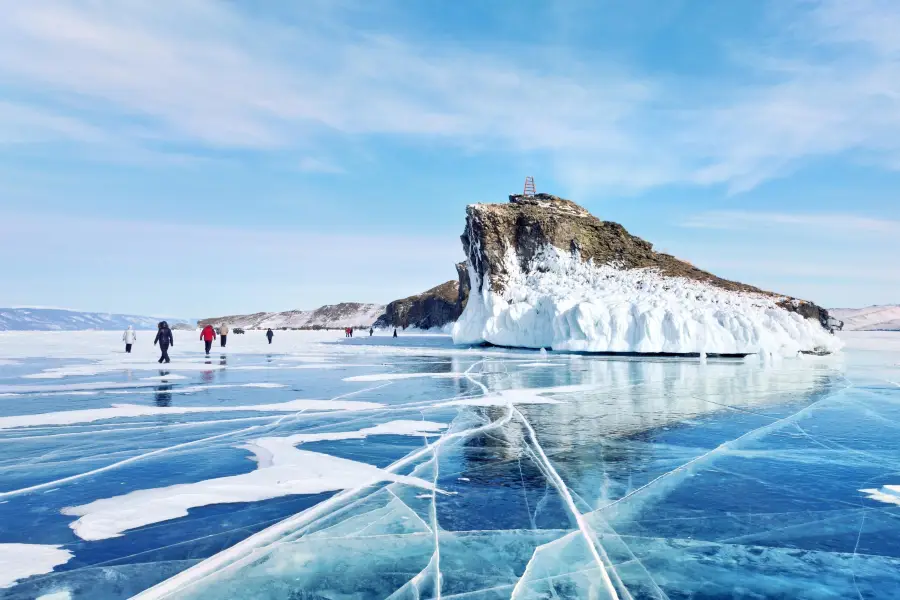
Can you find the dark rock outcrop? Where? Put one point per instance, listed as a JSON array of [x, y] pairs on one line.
[[433, 308], [529, 223]]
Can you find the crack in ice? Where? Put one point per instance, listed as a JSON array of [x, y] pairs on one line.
[[570, 504]]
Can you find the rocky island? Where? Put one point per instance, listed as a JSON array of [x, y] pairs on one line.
[[545, 273]]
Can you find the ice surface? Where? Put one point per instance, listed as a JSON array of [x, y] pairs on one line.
[[521, 475], [563, 303], [19, 561]]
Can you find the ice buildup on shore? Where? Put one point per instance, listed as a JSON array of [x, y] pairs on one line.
[[545, 273]]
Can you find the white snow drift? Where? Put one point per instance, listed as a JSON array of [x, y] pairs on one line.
[[564, 303]]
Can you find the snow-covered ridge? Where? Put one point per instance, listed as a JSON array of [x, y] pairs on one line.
[[561, 302], [59, 319], [871, 318], [345, 314]]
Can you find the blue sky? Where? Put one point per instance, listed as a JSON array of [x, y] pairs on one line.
[[210, 157]]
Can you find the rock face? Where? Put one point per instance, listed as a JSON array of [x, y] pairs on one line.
[[433, 308], [546, 273]]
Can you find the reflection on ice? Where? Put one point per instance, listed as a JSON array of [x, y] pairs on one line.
[[466, 473]]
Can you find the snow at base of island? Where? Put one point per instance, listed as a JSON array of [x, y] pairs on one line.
[[563, 303]]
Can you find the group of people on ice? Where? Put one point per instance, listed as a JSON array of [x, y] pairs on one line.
[[165, 339], [348, 332]]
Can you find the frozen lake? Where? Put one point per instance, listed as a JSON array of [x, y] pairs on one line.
[[326, 468]]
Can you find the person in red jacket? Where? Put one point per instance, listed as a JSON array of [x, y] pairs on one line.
[[208, 335]]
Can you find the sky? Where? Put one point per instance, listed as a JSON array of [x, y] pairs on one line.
[[215, 157]]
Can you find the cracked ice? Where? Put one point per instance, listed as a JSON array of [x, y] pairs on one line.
[[427, 470]]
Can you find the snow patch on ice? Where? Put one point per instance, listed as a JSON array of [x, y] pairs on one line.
[[392, 376], [282, 470], [564, 303], [72, 387], [519, 396], [117, 411], [889, 494], [399, 427], [20, 561], [60, 595]]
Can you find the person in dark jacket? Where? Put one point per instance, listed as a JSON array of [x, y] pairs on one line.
[[395, 332], [208, 335], [165, 339], [371, 331], [270, 335]]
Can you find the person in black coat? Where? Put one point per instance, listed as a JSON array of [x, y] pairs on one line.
[[165, 339], [269, 335]]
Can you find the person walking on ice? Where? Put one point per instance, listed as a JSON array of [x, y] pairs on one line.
[[223, 334], [208, 335], [371, 331], [270, 334], [165, 338], [395, 332], [129, 338]]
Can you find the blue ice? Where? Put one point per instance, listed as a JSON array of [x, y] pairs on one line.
[[412, 468]]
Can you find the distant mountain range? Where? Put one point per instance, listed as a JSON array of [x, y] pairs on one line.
[[871, 318], [345, 314], [57, 319]]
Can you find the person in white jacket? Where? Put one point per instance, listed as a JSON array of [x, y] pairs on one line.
[[129, 337]]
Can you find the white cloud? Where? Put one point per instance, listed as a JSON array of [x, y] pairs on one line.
[[736, 219], [145, 74]]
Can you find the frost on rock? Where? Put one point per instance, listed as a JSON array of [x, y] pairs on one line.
[[560, 302]]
